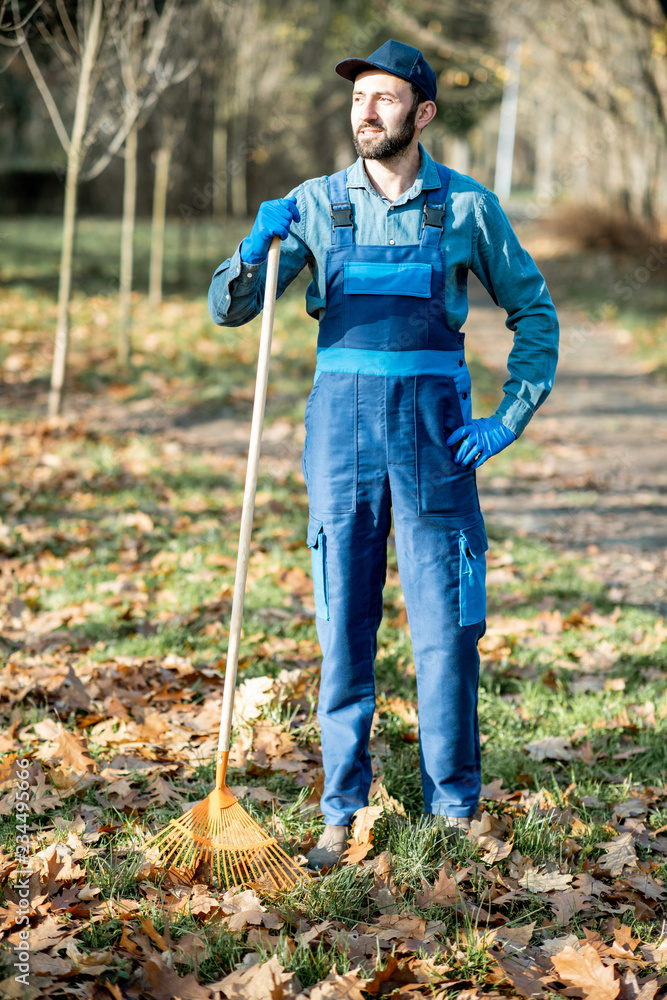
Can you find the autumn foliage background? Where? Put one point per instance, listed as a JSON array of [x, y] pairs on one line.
[[119, 526]]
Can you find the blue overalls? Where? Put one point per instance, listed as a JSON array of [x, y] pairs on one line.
[[391, 384]]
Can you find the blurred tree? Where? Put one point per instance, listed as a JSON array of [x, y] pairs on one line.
[[172, 127], [607, 64], [147, 67], [84, 37], [460, 41]]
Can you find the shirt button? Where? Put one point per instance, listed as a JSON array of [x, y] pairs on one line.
[[391, 242], [464, 395], [248, 274], [460, 364]]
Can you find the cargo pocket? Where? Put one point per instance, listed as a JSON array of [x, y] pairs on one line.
[[317, 544], [472, 574]]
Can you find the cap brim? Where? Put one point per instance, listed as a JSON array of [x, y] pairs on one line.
[[350, 69]]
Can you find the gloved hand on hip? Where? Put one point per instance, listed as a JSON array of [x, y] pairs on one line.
[[273, 219], [484, 437]]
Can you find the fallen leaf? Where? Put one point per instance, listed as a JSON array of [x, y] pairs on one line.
[[166, 984], [631, 989], [527, 978], [620, 854], [551, 748], [515, 938], [565, 904], [542, 881], [361, 834], [260, 981], [445, 892], [647, 886], [583, 969], [656, 954], [554, 946], [335, 987], [73, 749]]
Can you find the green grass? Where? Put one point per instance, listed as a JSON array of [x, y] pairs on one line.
[[78, 521]]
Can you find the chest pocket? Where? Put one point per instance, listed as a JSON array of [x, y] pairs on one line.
[[375, 278]]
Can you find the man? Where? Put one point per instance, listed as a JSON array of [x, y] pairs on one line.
[[389, 422]]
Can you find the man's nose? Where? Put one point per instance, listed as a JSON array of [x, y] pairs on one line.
[[368, 110]]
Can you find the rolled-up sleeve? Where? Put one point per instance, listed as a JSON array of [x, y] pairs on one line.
[[513, 280], [236, 294]]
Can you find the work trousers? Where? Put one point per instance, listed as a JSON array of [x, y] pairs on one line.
[[441, 565]]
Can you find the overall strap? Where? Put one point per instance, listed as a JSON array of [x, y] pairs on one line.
[[342, 219], [433, 221]]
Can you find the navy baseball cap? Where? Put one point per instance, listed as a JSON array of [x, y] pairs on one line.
[[397, 59]]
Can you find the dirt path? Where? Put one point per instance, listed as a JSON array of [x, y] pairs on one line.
[[598, 480]]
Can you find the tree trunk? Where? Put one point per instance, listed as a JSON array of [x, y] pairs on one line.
[[69, 214], [220, 146], [544, 152], [507, 128], [238, 167], [64, 285], [162, 162], [126, 247], [458, 153]]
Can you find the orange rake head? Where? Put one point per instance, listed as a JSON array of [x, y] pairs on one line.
[[219, 833]]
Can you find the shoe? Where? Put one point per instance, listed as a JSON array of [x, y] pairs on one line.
[[329, 848], [452, 826]]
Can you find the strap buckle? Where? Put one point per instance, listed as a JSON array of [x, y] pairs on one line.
[[434, 215], [341, 215]]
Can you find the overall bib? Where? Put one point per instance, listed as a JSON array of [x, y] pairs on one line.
[[391, 384]]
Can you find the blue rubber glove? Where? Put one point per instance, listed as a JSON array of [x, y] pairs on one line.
[[273, 219], [483, 438]]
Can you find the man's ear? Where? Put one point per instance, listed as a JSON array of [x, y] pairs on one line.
[[425, 114]]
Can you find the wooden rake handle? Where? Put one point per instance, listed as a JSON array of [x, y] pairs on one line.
[[248, 510]]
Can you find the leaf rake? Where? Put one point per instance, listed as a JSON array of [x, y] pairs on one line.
[[217, 832]]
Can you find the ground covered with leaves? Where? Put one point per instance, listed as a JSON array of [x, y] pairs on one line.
[[118, 540]]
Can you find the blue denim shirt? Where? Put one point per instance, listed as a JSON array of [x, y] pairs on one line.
[[477, 236]]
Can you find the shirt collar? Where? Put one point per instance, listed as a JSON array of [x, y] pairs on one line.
[[428, 178]]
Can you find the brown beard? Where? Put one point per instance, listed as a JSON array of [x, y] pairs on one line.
[[390, 144]]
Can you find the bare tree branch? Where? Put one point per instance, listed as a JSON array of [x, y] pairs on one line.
[[67, 25], [42, 86]]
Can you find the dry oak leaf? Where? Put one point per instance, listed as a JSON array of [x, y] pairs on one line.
[[620, 854], [554, 946], [583, 969], [165, 984], [542, 881], [496, 850], [656, 954], [624, 943], [525, 975], [565, 904], [513, 939], [199, 902], [265, 981], [251, 697], [646, 886], [73, 749], [487, 826], [632, 989], [244, 908], [335, 987], [361, 835], [552, 748], [445, 892]]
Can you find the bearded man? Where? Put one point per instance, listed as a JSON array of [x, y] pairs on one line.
[[389, 425]]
